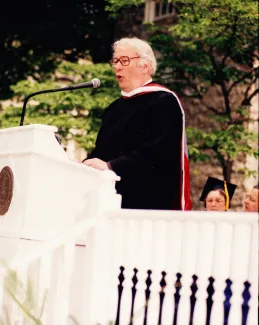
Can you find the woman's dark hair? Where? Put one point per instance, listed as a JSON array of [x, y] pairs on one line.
[[222, 193], [256, 187]]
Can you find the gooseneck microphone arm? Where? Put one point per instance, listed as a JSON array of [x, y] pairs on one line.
[[31, 95], [95, 83]]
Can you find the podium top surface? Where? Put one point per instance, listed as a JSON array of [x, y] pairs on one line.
[[30, 127]]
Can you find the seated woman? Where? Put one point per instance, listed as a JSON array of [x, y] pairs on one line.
[[217, 194]]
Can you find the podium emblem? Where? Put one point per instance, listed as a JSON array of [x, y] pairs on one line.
[[6, 189]]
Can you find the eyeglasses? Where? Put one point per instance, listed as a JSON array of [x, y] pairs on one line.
[[217, 201], [124, 60]]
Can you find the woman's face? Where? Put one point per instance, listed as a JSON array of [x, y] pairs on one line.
[[215, 201]]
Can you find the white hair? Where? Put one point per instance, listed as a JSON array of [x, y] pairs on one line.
[[142, 48]]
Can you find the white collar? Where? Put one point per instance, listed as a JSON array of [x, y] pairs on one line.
[[150, 80], [132, 93]]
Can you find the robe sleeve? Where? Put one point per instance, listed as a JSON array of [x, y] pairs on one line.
[[94, 153], [161, 139]]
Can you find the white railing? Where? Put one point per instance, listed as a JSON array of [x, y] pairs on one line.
[[83, 280], [221, 245], [50, 271]]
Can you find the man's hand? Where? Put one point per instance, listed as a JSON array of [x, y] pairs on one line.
[[96, 163]]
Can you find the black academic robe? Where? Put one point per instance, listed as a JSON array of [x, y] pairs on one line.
[[140, 138]]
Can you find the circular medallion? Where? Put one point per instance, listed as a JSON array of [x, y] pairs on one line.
[[6, 189]]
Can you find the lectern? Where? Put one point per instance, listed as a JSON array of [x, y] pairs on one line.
[[42, 192]]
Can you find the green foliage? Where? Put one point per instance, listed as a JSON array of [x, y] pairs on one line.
[[22, 294], [214, 43], [228, 143], [214, 22], [33, 42], [248, 172], [77, 114], [114, 6]]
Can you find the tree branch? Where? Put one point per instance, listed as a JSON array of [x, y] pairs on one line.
[[245, 76], [220, 82], [222, 32], [232, 38], [214, 110], [247, 100], [252, 83]]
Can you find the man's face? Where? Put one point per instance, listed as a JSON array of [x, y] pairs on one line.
[[251, 201], [133, 75]]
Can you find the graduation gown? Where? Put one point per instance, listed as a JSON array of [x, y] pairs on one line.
[[140, 138]]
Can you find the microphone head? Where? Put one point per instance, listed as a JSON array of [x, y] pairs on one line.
[[96, 82]]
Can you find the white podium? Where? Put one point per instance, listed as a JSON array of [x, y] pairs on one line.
[[50, 192]]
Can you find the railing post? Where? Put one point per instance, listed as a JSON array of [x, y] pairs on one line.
[[2, 276], [95, 295]]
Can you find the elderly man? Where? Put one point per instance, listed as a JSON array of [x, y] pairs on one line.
[[251, 200], [142, 136]]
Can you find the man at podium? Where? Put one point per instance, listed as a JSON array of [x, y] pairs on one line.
[[142, 135]]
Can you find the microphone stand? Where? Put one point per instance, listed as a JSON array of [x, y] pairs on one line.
[[38, 93], [95, 83]]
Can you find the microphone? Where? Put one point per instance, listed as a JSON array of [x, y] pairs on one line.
[[94, 83]]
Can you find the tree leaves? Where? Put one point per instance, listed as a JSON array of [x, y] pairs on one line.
[[32, 44], [114, 6], [77, 113], [213, 43]]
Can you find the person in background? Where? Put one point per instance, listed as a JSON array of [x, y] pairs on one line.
[[217, 194], [142, 135], [251, 205], [251, 200]]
